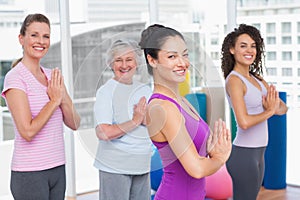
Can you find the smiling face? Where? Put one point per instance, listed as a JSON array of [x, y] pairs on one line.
[[244, 51], [173, 62], [124, 65], [36, 40]]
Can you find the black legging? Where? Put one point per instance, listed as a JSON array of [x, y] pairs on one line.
[[39, 185], [246, 167]]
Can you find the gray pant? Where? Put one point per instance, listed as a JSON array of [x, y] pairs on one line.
[[47, 184], [124, 187], [246, 167]]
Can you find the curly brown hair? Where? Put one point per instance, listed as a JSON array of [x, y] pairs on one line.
[[228, 61]]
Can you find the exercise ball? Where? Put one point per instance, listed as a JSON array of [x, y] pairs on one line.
[[156, 169], [219, 185]]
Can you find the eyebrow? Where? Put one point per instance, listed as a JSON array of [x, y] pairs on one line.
[[171, 51], [247, 43]]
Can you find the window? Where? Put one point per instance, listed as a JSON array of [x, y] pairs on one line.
[[287, 72], [298, 98], [298, 27], [286, 40], [214, 41], [286, 27], [256, 25], [298, 39], [271, 27], [271, 55], [214, 55], [271, 40], [298, 72], [5, 66], [287, 55], [272, 83], [225, 29], [287, 83], [272, 71], [298, 56]]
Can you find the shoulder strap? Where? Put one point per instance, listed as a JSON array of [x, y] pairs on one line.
[[239, 75], [163, 97]]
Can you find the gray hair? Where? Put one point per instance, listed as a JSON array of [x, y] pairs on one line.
[[121, 46]]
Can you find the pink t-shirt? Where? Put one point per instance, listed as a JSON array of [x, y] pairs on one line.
[[46, 150]]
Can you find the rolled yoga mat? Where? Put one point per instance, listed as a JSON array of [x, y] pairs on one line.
[[198, 101], [275, 155]]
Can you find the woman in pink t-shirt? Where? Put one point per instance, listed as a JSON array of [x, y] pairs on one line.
[[39, 104]]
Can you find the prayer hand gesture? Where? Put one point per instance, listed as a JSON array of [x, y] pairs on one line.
[[219, 142], [140, 111], [55, 88], [271, 101]]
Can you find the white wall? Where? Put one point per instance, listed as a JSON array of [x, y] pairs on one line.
[[6, 149]]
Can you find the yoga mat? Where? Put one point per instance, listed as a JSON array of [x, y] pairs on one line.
[[275, 155], [198, 101], [233, 125]]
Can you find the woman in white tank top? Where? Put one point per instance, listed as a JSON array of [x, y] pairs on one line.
[[253, 101]]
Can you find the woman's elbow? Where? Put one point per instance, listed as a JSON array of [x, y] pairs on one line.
[[196, 173], [243, 125], [26, 135], [73, 124], [101, 134], [28, 139], [76, 125], [283, 110]]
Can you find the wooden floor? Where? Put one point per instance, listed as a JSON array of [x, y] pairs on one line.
[[290, 193]]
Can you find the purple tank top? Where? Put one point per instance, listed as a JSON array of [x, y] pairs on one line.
[[176, 183]]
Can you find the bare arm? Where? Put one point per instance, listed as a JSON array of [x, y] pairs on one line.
[[281, 107], [166, 123], [112, 131], [70, 115], [236, 90], [18, 104]]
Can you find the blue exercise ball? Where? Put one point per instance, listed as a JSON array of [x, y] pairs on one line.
[[156, 169]]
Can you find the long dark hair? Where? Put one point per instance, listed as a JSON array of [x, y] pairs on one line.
[[228, 61], [153, 38]]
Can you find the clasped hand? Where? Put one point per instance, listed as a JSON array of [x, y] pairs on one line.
[[139, 111], [56, 88], [219, 142], [271, 101]]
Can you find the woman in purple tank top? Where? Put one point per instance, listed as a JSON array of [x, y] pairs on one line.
[[253, 102], [188, 151]]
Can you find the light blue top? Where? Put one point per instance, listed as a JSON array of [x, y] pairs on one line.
[[255, 136], [130, 153]]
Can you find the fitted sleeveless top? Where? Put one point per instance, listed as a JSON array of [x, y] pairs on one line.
[[176, 183], [255, 136]]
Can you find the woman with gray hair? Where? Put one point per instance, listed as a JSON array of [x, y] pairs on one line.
[[124, 150]]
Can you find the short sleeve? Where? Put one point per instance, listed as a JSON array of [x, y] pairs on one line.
[[103, 110], [144, 90], [13, 79], [147, 91]]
